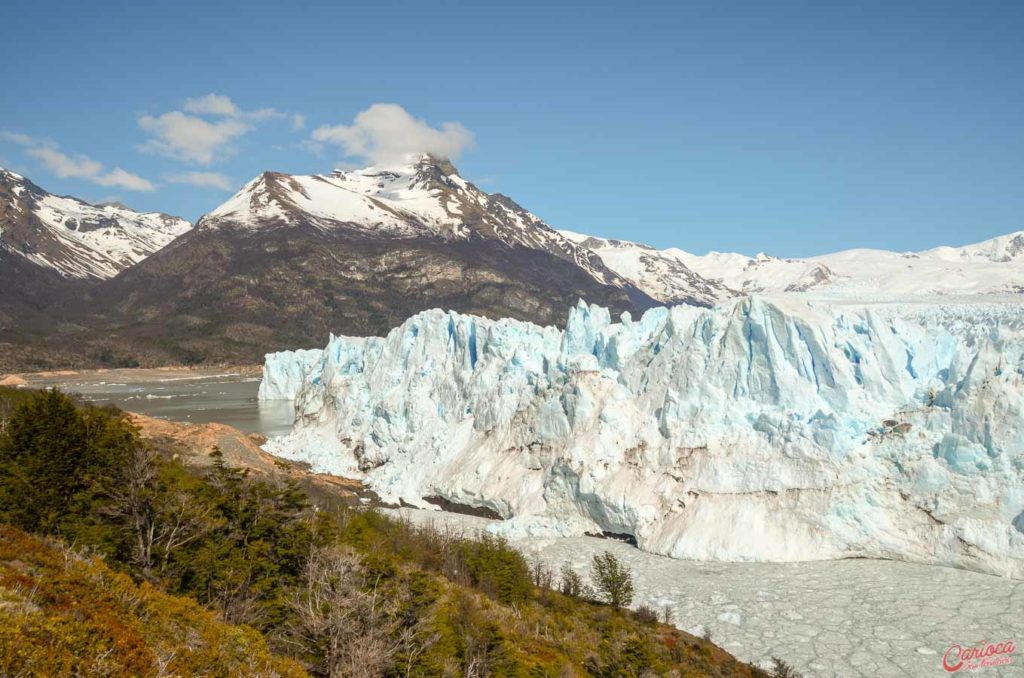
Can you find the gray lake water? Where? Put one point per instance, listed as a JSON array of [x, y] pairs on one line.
[[199, 397]]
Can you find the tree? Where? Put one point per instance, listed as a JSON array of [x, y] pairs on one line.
[[160, 510], [258, 536], [613, 581], [55, 458], [780, 669], [348, 626], [571, 583]]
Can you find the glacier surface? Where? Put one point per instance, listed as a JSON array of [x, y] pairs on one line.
[[763, 429]]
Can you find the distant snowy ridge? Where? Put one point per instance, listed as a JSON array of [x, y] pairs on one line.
[[662, 274], [992, 267], [75, 238], [775, 430]]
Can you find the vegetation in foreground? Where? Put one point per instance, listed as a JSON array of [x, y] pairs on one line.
[[143, 566]]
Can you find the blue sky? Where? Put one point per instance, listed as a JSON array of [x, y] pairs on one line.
[[790, 128]]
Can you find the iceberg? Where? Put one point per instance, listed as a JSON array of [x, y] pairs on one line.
[[762, 429]]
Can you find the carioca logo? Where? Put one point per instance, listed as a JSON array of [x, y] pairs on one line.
[[981, 655]]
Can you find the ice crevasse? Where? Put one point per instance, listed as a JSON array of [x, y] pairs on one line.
[[761, 429]]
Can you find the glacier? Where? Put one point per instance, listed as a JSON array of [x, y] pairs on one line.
[[284, 372], [762, 429]]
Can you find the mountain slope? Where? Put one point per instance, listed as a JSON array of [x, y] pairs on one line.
[[74, 238], [26, 288], [1001, 249], [64, 614], [290, 259], [660, 273], [994, 266]]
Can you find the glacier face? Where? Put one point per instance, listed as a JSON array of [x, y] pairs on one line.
[[761, 429], [283, 372]]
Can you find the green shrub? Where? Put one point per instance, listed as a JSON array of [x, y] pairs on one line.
[[613, 581]]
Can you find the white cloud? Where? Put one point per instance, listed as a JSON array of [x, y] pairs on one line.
[[64, 166], [202, 180], [212, 104], [123, 179], [387, 133], [264, 114], [83, 167], [298, 122], [205, 130], [222, 106], [17, 138], [186, 137]]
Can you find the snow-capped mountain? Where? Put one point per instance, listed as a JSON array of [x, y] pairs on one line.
[[74, 238], [424, 198], [1003, 249], [992, 267], [759, 429], [660, 273]]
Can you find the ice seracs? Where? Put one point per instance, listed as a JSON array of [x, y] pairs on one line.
[[760, 429]]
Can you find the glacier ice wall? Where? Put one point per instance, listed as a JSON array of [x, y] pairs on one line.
[[283, 373], [757, 430]]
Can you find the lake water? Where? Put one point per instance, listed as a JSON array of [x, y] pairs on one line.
[[199, 397]]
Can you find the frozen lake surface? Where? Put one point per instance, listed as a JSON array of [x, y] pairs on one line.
[[197, 396], [827, 618]]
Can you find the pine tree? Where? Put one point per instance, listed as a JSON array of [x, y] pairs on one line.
[[43, 453]]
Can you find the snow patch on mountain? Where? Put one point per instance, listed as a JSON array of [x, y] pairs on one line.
[[760, 429], [992, 267]]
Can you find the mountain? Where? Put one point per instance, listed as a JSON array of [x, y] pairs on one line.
[[770, 430], [290, 259], [54, 248], [1003, 249], [26, 288], [74, 238], [427, 198], [660, 273], [992, 267]]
